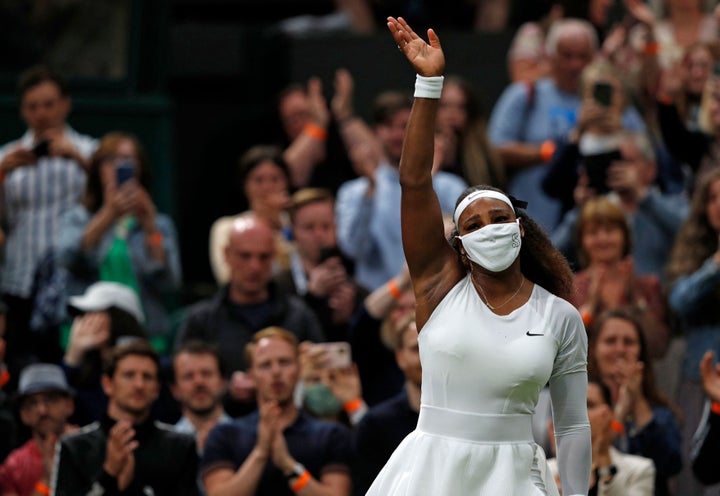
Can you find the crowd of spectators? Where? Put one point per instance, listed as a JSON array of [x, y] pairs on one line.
[[301, 373]]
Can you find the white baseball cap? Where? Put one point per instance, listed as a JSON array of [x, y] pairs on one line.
[[102, 295]]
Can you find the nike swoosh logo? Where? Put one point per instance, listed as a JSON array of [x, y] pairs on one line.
[[529, 333]]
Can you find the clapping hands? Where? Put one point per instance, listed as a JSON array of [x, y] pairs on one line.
[[271, 441], [119, 457]]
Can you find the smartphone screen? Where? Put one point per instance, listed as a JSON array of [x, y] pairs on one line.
[[603, 93], [337, 354], [125, 171]]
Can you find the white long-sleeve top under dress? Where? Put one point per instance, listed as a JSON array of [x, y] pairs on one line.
[[482, 375]]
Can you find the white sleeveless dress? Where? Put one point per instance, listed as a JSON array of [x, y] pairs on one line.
[[482, 375]]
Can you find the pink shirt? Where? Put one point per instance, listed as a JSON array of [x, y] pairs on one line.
[[22, 468]]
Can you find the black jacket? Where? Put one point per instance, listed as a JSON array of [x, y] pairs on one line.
[[707, 451], [166, 462], [219, 321]]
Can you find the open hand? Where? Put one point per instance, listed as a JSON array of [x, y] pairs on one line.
[[88, 332], [427, 59], [640, 11], [317, 105], [341, 103]]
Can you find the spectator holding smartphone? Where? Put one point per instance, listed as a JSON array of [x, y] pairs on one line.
[[118, 235], [330, 388], [594, 141], [654, 217], [319, 272], [38, 182]]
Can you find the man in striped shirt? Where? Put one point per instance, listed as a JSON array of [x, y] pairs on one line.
[[41, 174]]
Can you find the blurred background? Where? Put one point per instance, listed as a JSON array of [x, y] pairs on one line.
[[197, 80]]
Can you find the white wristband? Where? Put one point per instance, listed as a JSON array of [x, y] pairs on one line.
[[428, 87]]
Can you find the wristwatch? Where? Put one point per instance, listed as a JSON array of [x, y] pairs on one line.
[[297, 471]]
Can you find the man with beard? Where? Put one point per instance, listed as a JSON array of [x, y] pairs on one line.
[[126, 452], [199, 386], [46, 402]]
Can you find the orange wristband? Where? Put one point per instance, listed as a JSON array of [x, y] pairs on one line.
[[715, 408], [547, 149], [301, 482], [617, 427], [315, 131], [651, 48], [393, 289], [587, 318], [155, 239], [41, 488], [353, 406]]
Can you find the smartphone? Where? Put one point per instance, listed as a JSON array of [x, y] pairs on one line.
[[41, 148], [329, 252], [336, 354], [603, 93], [124, 171], [596, 167]]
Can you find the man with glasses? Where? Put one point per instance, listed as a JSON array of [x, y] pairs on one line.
[[46, 403]]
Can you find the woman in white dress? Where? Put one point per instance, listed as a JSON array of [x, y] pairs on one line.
[[494, 329]]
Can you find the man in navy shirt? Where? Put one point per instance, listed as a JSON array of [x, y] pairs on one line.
[[277, 450]]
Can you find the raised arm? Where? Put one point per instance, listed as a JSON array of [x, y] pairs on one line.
[[429, 256]]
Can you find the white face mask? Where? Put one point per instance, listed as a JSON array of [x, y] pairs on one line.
[[495, 246]]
